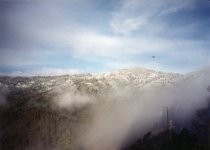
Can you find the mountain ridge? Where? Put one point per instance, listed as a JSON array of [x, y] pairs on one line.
[[135, 77]]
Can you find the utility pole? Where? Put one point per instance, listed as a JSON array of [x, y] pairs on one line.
[[167, 128], [167, 119]]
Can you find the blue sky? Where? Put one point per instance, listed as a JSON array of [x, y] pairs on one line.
[[71, 36]]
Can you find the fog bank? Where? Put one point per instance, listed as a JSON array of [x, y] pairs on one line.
[[123, 115]]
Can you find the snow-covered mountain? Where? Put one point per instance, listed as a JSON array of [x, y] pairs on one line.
[[132, 78], [82, 111]]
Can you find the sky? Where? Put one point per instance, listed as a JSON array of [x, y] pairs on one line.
[[41, 37]]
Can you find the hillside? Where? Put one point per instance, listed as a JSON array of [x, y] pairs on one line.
[[79, 111], [137, 77]]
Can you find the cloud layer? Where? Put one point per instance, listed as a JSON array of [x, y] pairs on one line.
[[121, 115], [95, 35]]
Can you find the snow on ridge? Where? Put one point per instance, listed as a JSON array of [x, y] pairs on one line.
[[131, 78]]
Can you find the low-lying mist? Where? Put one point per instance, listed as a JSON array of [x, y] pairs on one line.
[[122, 115]]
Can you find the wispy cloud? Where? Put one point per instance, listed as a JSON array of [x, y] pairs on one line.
[[133, 14]]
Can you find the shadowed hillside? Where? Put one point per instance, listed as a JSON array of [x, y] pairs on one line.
[[124, 109], [33, 122]]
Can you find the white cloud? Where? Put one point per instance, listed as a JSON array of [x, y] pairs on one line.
[[56, 71], [95, 44], [134, 29], [127, 25], [135, 14], [45, 72], [113, 49]]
